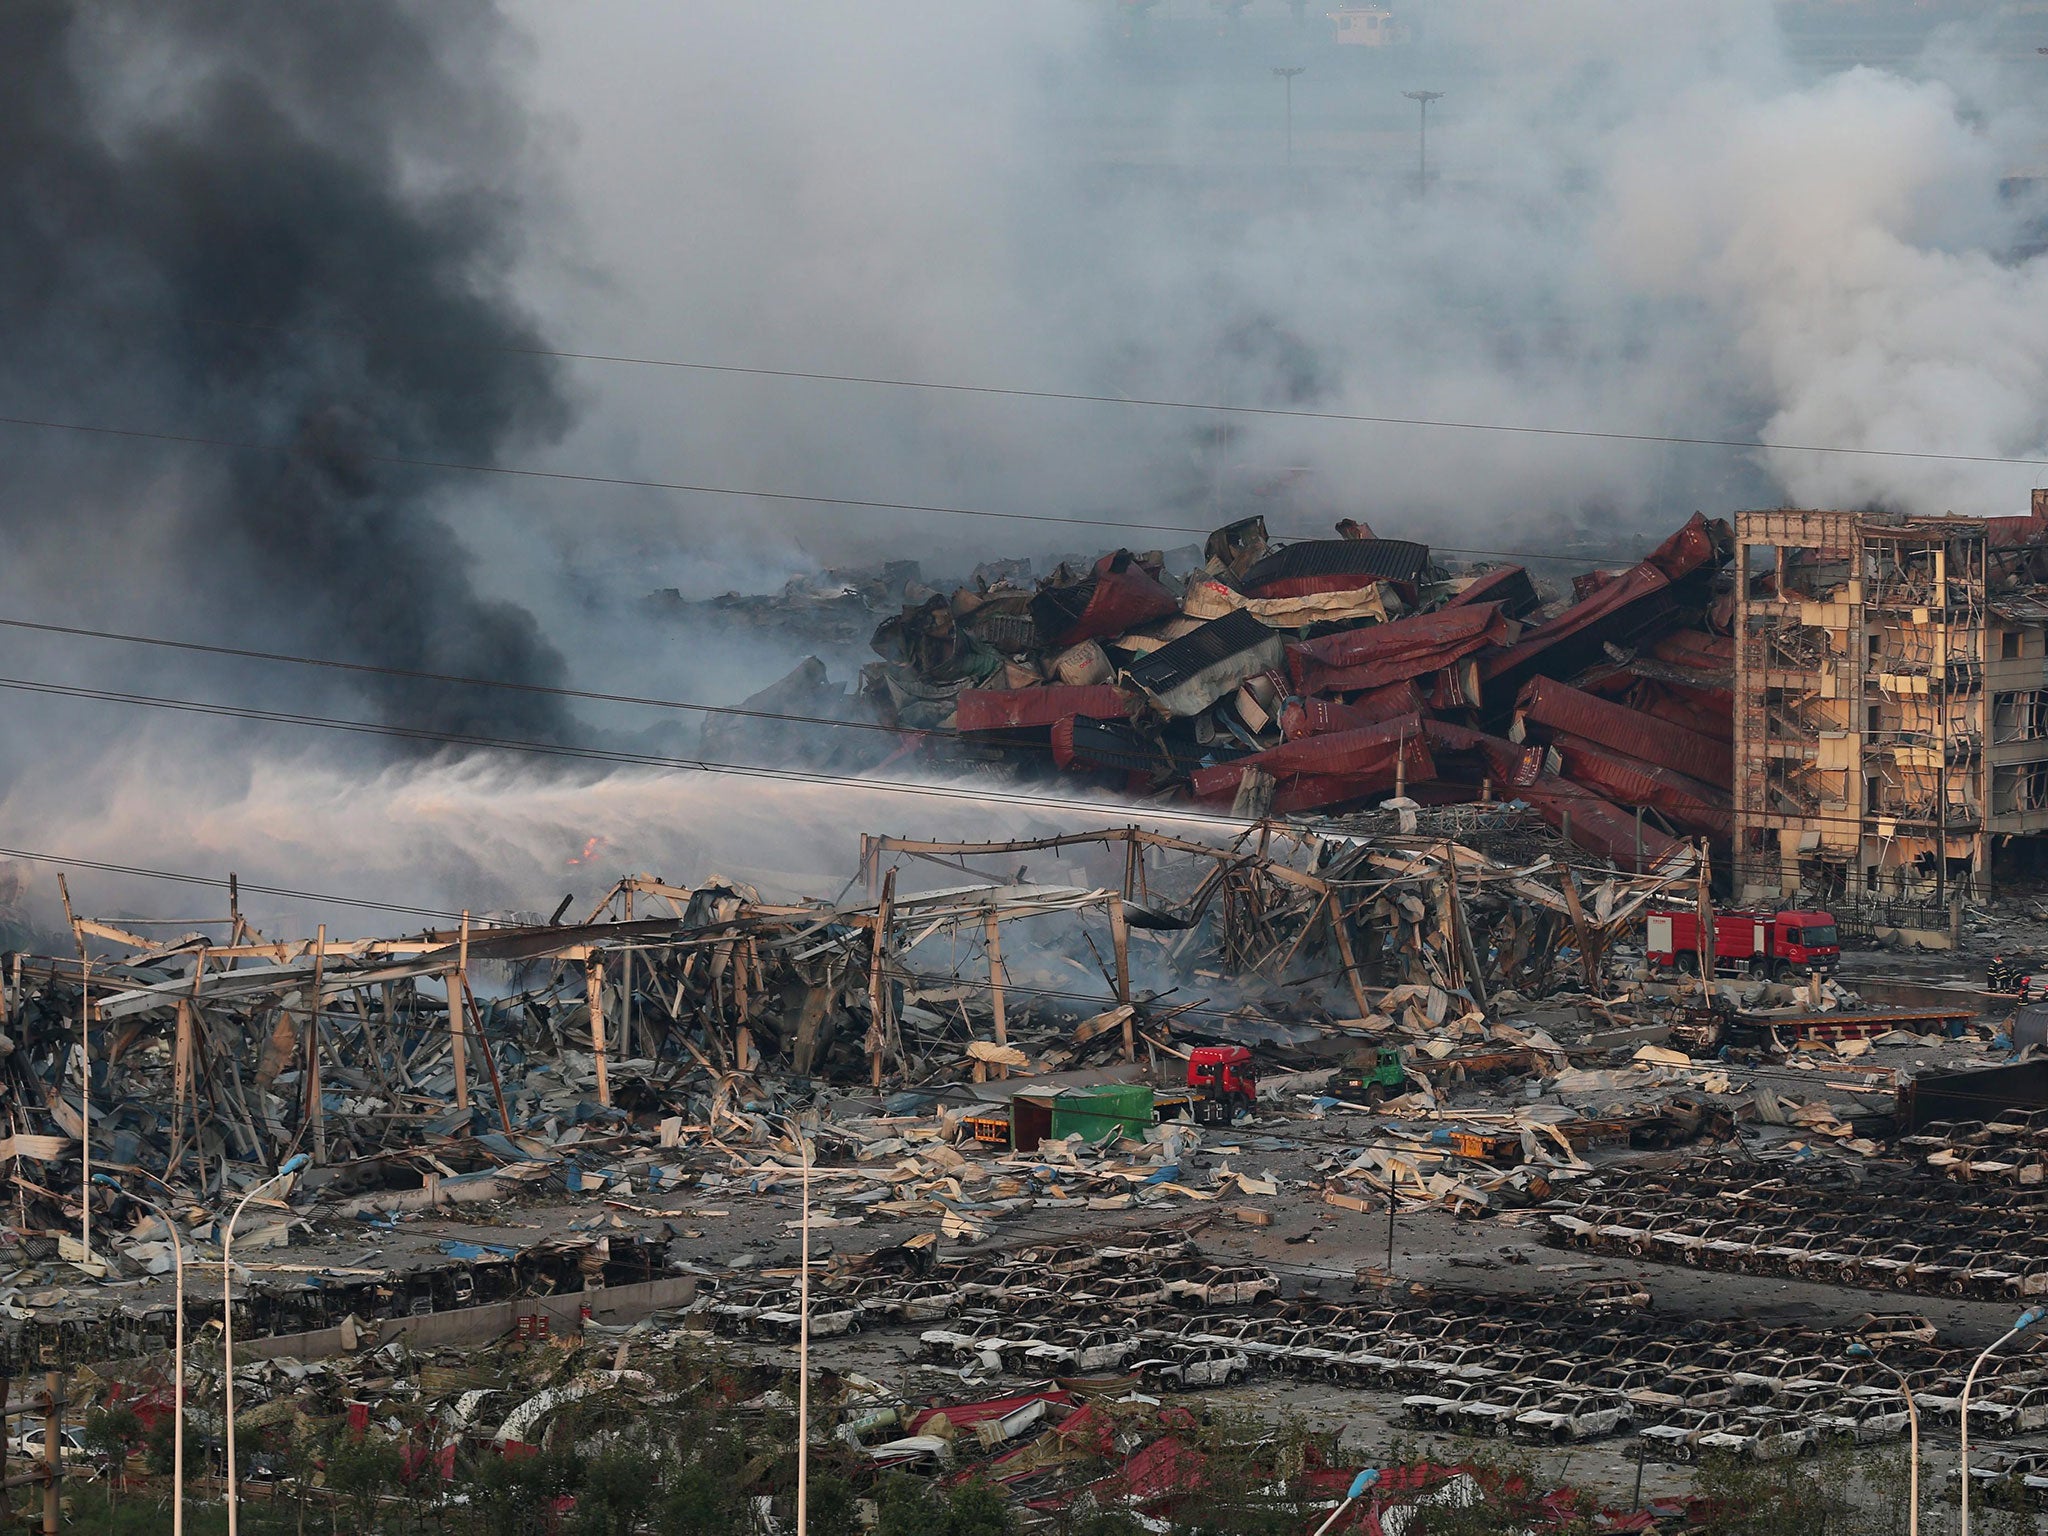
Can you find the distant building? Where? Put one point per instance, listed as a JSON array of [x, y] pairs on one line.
[[1891, 705], [1368, 26]]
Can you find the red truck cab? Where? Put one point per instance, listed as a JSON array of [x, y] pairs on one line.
[[1781, 945], [1222, 1076]]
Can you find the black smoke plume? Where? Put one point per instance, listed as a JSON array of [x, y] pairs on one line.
[[284, 222]]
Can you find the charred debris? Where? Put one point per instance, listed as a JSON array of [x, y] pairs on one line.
[[1309, 676], [1487, 1011]]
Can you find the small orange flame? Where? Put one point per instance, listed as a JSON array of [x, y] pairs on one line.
[[589, 848]]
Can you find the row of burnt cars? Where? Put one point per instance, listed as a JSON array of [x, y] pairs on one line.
[[2011, 1146], [1894, 1228], [1157, 1315]]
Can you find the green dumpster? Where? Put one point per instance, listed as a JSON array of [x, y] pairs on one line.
[[1096, 1114]]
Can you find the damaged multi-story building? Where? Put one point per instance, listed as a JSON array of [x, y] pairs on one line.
[[1891, 721]]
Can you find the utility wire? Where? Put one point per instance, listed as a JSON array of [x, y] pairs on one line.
[[215, 883], [689, 765], [1163, 403], [531, 472], [460, 680], [417, 674], [639, 759], [617, 757]]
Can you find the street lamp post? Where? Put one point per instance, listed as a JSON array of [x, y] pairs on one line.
[[1422, 99], [177, 1353], [803, 1336], [1287, 77], [1864, 1351], [227, 1321], [2026, 1320]]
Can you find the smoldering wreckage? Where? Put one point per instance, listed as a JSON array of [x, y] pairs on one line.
[[1055, 1099], [1315, 676]]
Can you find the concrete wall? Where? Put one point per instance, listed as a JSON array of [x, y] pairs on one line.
[[617, 1305]]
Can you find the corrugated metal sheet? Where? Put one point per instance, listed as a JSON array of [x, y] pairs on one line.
[[1179, 660], [1320, 792], [1586, 584], [1113, 747], [2028, 607], [1698, 650], [1510, 586], [1690, 805], [1564, 708], [2015, 532], [1594, 823], [1711, 713], [1467, 756], [1357, 762], [1619, 612], [1364, 659], [1017, 709], [1699, 544], [1319, 717], [1120, 595], [1187, 675], [1335, 565]]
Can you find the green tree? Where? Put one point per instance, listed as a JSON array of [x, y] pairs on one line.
[[362, 1470], [111, 1434], [906, 1506], [833, 1511], [516, 1496], [620, 1488], [703, 1500], [1241, 1495], [160, 1446], [1088, 1520], [976, 1509], [1785, 1498]]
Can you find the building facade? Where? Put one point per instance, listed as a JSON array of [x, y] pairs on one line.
[[1891, 705]]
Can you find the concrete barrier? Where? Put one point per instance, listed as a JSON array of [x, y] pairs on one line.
[[616, 1305]]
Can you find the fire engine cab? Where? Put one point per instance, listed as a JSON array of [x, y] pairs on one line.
[[1223, 1081], [1781, 945]]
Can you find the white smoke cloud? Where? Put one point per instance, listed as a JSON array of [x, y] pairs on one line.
[[1649, 220], [1652, 219]]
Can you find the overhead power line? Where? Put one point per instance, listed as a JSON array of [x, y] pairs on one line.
[[871, 504], [868, 504], [529, 472], [215, 883], [1167, 403], [618, 757], [72, 631]]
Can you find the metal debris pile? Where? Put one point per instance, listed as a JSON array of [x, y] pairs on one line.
[[1263, 677]]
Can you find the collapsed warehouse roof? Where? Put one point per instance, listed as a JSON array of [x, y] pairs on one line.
[[251, 1049], [1326, 674]]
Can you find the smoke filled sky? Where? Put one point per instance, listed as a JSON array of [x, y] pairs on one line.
[[1648, 219], [355, 232]]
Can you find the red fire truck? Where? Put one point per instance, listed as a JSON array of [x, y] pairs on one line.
[[1781, 945], [1222, 1082]]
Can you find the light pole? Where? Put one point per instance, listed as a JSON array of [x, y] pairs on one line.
[[1422, 99], [1359, 1484], [1287, 78], [803, 1337], [2026, 1320], [227, 1319], [1864, 1351], [177, 1353]]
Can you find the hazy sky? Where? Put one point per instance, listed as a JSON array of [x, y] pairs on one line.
[[356, 230]]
